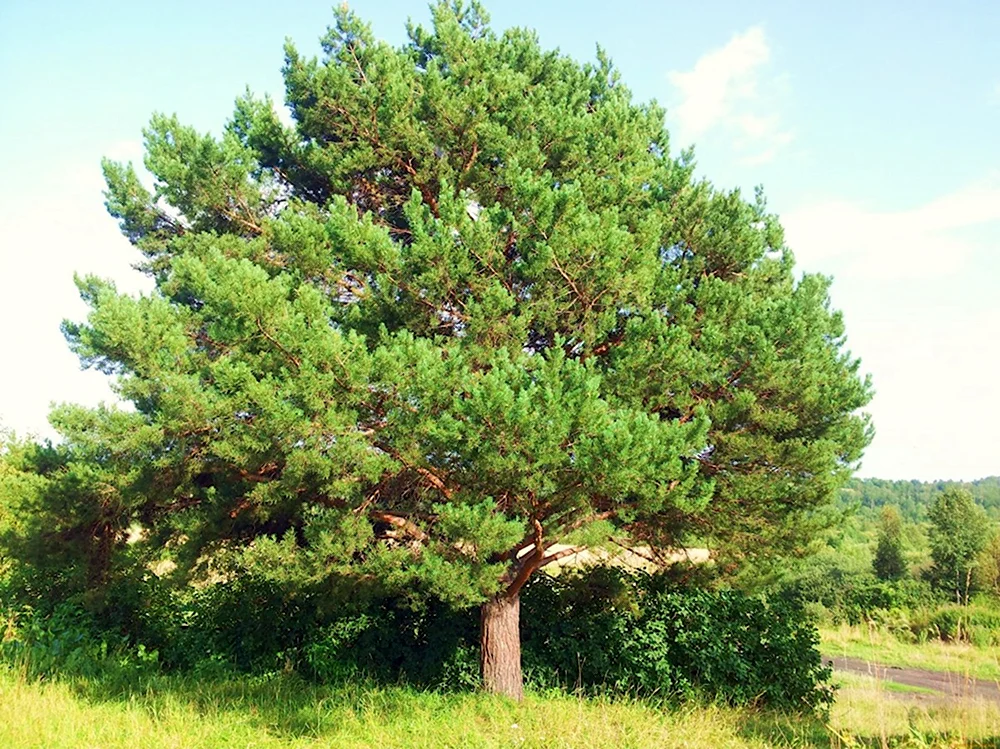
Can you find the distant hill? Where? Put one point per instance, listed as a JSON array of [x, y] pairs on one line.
[[914, 497]]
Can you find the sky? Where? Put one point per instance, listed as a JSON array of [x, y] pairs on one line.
[[874, 128]]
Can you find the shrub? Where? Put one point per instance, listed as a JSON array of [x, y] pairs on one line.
[[864, 598], [246, 624], [67, 639], [391, 639], [978, 624], [250, 623], [870, 600], [635, 636], [603, 630]]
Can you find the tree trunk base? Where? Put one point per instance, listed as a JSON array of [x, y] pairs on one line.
[[500, 641]]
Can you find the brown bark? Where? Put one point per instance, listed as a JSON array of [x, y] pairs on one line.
[[500, 646]]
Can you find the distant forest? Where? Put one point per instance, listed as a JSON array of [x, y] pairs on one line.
[[914, 497]]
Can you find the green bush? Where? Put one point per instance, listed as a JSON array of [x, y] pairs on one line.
[[250, 623], [603, 631], [68, 639], [611, 630], [600, 631], [869, 600], [864, 598], [245, 624], [392, 640]]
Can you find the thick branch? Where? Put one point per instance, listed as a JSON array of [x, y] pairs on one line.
[[524, 543], [434, 480], [426, 473], [557, 555], [472, 157], [267, 472], [407, 526], [425, 191], [528, 564]]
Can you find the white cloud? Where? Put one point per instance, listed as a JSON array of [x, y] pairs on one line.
[[718, 80], [283, 112], [725, 91], [757, 126], [924, 241], [918, 290]]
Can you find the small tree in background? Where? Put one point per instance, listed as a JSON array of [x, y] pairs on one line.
[[986, 576], [889, 563], [957, 536], [466, 308]]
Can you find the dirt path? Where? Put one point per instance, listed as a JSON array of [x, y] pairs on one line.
[[948, 683]]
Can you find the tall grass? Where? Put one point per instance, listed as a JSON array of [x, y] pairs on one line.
[[125, 700], [892, 716], [282, 711]]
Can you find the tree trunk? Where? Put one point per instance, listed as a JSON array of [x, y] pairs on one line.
[[500, 643]]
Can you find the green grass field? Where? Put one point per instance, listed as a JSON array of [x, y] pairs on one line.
[[876, 645], [282, 711]]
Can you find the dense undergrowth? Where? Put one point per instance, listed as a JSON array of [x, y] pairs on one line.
[[604, 632]]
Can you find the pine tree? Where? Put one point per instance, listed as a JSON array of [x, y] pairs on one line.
[[466, 308]]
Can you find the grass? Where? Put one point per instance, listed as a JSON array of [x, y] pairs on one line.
[[879, 646], [281, 711], [888, 713], [892, 686], [118, 708], [284, 711]]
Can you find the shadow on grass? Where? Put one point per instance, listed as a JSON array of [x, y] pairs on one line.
[[785, 729], [281, 704]]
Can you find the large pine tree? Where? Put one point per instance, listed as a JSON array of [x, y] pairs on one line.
[[466, 308]]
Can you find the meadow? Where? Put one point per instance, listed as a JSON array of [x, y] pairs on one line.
[[282, 710], [870, 643]]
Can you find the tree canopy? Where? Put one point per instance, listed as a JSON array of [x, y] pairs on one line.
[[467, 306]]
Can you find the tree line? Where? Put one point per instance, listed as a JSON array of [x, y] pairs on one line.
[[914, 498]]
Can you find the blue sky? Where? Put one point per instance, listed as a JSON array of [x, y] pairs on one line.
[[872, 126]]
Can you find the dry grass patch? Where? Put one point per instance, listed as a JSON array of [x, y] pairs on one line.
[[873, 712]]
